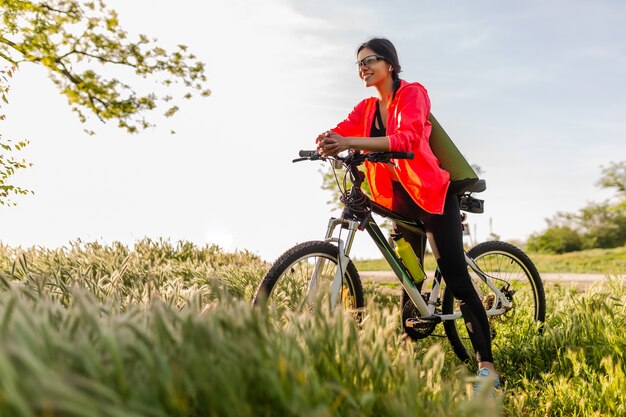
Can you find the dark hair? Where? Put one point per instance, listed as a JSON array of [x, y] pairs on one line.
[[385, 48]]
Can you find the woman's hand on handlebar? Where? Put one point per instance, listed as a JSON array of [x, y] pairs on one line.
[[330, 144], [319, 142]]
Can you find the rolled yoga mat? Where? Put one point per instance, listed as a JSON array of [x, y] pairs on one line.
[[450, 158]]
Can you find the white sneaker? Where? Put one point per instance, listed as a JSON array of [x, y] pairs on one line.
[[486, 374]]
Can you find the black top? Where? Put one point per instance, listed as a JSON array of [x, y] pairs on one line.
[[378, 127]]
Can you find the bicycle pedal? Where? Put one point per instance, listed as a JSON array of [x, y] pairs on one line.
[[420, 321]]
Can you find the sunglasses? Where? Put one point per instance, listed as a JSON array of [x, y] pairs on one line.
[[369, 61]]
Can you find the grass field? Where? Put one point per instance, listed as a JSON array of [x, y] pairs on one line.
[[593, 261], [165, 329]]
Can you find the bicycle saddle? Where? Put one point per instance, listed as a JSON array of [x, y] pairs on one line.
[[468, 185], [478, 187]]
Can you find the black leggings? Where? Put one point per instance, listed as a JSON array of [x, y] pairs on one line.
[[446, 239]]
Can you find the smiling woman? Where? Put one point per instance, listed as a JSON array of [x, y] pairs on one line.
[[419, 189]]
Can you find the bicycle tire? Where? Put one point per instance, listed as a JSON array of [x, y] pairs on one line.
[[498, 260], [289, 277]]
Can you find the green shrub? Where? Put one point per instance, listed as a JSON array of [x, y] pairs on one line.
[[556, 239]]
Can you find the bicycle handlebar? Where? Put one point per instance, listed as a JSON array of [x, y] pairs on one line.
[[383, 156], [357, 158]]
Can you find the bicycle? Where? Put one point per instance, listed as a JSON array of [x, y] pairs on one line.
[[505, 278]]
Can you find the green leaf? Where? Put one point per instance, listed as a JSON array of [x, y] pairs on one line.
[[47, 33]]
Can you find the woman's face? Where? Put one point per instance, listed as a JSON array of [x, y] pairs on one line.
[[373, 70]]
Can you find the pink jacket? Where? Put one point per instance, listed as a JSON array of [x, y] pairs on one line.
[[408, 130]]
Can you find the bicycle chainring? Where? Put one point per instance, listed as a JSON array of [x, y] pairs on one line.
[[419, 331], [489, 301]]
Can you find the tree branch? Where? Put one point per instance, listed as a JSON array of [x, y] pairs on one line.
[[9, 59], [98, 57], [70, 76]]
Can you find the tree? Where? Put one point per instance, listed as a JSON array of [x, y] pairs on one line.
[[614, 176], [598, 225], [603, 225], [93, 62], [8, 163], [556, 239], [77, 41]]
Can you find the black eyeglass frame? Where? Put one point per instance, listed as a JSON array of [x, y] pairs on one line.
[[361, 63]]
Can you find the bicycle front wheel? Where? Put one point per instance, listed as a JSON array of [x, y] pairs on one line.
[[302, 277], [515, 275]]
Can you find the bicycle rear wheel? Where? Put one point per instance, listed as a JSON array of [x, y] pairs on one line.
[[512, 271], [302, 278]]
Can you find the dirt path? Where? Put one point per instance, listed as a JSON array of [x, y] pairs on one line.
[[582, 281]]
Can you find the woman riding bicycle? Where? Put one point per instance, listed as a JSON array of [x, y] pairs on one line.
[[397, 121]]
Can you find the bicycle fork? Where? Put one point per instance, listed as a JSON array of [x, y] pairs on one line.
[[343, 258], [343, 251]]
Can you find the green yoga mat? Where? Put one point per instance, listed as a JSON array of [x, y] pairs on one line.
[[450, 158]]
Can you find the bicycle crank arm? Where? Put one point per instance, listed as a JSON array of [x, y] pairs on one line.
[[418, 321]]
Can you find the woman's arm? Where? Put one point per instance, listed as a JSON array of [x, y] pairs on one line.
[[331, 143], [413, 107]]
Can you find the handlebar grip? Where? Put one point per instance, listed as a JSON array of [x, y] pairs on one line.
[[306, 154], [401, 155]]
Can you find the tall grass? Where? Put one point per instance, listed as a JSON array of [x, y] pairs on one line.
[[577, 367], [175, 272], [165, 329]]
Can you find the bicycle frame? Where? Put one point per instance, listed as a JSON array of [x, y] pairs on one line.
[[358, 216], [426, 308]]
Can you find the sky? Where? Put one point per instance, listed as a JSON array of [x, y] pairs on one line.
[[532, 92]]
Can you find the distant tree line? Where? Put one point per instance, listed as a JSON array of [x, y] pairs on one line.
[[598, 225]]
